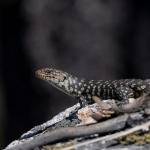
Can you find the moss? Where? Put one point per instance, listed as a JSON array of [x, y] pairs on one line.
[[138, 138]]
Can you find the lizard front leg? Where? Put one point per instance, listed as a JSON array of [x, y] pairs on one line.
[[104, 109]]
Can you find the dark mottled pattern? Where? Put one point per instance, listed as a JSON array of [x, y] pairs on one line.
[[117, 89], [82, 89]]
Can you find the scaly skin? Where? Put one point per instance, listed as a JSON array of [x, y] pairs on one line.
[[121, 90]]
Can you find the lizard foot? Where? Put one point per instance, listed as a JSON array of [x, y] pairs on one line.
[[104, 110], [85, 115], [102, 105], [92, 113]]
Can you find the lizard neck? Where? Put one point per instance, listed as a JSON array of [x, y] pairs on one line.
[[71, 86], [77, 87], [84, 90], [74, 86]]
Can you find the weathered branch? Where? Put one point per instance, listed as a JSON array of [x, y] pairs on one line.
[[107, 138], [54, 120], [71, 132]]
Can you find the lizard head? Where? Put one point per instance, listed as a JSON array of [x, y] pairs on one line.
[[59, 79]]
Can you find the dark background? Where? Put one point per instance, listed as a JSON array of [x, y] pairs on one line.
[[95, 39]]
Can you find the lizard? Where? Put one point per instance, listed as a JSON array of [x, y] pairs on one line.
[[124, 95], [125, 92]]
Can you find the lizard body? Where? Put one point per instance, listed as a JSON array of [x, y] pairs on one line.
[[121, 90]]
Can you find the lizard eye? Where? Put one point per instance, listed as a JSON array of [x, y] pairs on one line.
[[48, 71]]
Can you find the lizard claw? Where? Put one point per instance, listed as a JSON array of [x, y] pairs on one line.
[[102, 113], [103, 107]]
